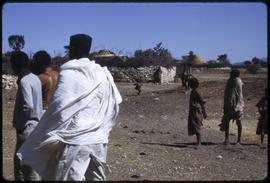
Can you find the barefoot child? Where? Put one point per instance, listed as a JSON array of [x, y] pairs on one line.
[[196, 111], [138, 86], [262, 124]]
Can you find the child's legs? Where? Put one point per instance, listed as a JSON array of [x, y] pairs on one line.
[[239, 128], [198, 136], [227, 134], [262, 136]]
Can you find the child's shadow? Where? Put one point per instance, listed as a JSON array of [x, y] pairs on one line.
[[180, 145], [132, 95], [194, 143], [161, 144]]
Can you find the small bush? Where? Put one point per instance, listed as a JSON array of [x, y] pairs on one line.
[[253, 68]]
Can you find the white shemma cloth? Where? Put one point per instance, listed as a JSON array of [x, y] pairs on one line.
[[82, 111]]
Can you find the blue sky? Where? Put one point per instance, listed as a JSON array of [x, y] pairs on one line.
[[208, 29]]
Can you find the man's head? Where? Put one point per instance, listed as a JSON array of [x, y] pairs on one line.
[[193, 83], [42, 60], [19, 61], [79, 46], [234, 73]]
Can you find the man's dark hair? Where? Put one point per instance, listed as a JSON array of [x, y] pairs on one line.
[[234, 73], [193, 83], [79, 45], [41, 60], [19, 60]]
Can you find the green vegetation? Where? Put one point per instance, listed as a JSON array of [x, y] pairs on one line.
[[16, 42]]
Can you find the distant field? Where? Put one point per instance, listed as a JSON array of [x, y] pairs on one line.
[[150, 141]]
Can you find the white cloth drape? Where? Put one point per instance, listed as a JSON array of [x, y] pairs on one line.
[[82, 111]]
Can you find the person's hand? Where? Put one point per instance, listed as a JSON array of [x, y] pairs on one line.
[[50, 147]]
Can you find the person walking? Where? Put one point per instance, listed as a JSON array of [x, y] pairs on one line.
[[233, 107], [27, 110], [70, 142], [47, 75], [196, 111]]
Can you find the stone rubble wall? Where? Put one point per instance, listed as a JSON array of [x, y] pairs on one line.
[[144, 74], [167, 75], [9, 81]]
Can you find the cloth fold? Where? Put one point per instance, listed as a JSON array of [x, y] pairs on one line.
[[82, 111], [233, 107]]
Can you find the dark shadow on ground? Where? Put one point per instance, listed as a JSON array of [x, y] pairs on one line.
[[161, 144], [180, 145], [193, 143], [132, 95], [246, 144], [177, 90]]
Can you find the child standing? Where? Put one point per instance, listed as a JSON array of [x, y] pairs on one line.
[[138, 86], [196, 111], [262, 106]]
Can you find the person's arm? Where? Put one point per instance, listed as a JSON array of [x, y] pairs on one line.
[[259, 105], [240, 100], [27, 98], [45, 87], [202, 103]]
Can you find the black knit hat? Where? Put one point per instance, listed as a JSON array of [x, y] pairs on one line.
[[80, 42]]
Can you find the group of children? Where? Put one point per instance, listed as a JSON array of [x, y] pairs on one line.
[[197, 110], [233, 107]]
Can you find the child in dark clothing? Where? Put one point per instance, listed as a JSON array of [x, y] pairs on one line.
[[262, 106], [138, 86], [196, 111]]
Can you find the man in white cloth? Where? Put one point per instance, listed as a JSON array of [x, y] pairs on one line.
[[70, 141]]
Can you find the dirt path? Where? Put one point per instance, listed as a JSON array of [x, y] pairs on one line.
[[150, 141]]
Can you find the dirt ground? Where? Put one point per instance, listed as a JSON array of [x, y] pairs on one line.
[[150, 141]]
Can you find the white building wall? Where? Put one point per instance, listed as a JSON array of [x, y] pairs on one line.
[[167, 75]]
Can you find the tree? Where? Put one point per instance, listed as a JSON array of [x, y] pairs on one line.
[[256, 61], [247, 63], [16, 42], [254, 65], [211, 64], [191, 57], [264, 63], [155, 56], [223, 60]]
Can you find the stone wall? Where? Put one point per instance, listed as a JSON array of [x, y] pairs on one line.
[[9, 82], [144, 74], [167, 75]]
